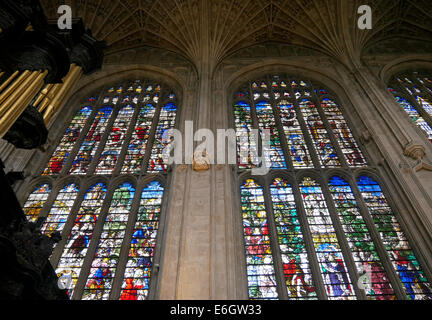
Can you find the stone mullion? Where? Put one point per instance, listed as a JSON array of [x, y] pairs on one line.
[[94, 243], [309, 143], [124, 253], [315, 268], [102, 143], [282, 137], [255, 125], [152, 138], [342, 159], [274, 243], [379, 245], [69, 162], [126, 140], [67, 229], [344, 245]]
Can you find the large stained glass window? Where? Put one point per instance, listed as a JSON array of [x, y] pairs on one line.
[[113, 143], [413, 91], [310, 231]]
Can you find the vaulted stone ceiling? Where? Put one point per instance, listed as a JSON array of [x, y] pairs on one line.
[[194, 28]]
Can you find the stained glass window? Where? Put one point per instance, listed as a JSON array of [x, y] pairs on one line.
[[326, 244], [259, 259], [123, 133], [60, 210], [81, 234], [295, 260], [62, 153], [309, 120], [87, 151], [114, 144], [138, 144], [167, 120], [36, 202], [401, 255], [313, 237], [360, 241], [104, 265], [140, 262], [414, 93]]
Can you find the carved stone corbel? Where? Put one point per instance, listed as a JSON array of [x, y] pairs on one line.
[[417, 152]]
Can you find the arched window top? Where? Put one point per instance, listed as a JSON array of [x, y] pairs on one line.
[[306, 124], [413, 91], [117, 136]]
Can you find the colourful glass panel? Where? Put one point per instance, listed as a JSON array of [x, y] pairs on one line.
[[88, 149], [321, 140], [36, 202], [103, 268], [333, 268], [138, 145], [415, 116], [167, 120], [81, 234], [274, 157], [114, 144], [295, 139], [343, 134], [60, 210], [426, 105], [63, 150], [259, 259], [140, 261], [361, 244], [246, 142], [396, 244], [295, 261]]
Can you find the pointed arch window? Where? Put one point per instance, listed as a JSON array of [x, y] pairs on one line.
[[109, 233], [413, 91], [314, 228]]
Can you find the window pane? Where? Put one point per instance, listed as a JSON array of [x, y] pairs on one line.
[[88, 149], [274, 157], [36, 201], [61, 209], [140, 261], [259, 259], [116, 139], [333, 268], [246, 142], [322, 143], [104, 266], [343, 133], [167, 119], [138, 145], [399, 250], [62, 153], [361, 244], [298, 149], [295, 260], [81, 234]]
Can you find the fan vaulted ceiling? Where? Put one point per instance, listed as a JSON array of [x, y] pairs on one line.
[[223, 26]]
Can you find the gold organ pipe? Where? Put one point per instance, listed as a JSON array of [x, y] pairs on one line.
[[43, 94], [12, 88], [18, 92], [30, 88], [62, 92]]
